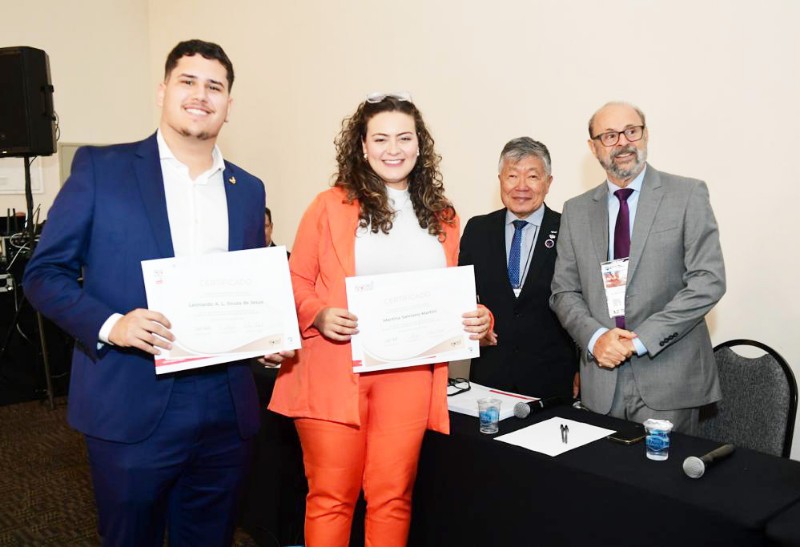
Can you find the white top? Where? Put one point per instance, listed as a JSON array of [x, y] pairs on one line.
[[406, 247], [197, 211]]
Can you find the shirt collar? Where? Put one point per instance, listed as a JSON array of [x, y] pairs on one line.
[[636, 184], [535, 218], [165, 154]]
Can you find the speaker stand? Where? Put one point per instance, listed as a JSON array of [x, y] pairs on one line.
[[30, 232]]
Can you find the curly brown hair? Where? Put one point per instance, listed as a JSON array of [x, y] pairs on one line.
[[361, 183]]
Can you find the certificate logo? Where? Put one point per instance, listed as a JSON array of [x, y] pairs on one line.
[[365, 287]]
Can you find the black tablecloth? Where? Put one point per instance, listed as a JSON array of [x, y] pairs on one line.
[[784, 528], [273, 508], [473, 491]]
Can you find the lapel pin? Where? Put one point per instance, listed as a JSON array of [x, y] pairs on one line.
[[232, 180], [549, 243]]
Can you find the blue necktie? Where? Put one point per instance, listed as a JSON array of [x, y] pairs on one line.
[[514, 253]]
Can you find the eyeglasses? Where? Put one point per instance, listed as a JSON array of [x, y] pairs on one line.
[[377, 97], [611, 138], [458, 385]]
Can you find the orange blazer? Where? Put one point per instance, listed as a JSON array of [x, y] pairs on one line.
[[319, 383]]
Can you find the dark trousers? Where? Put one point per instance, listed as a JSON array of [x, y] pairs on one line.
[[186, 478]]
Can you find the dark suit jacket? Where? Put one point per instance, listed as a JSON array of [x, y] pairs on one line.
[[110, 215], [534, 356]]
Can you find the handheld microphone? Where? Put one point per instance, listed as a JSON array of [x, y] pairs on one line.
[[524, 409], [695, 467]]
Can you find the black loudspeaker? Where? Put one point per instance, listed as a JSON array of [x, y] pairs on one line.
[[27, 119]]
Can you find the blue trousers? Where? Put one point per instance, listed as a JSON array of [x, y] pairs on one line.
[[186, 478]]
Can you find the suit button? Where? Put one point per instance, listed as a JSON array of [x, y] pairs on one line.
[[661, 343]]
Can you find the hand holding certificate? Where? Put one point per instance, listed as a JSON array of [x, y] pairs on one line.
[[411, 318], [223, 307]]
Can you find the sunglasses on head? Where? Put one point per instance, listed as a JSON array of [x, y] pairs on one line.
[[377, 97]]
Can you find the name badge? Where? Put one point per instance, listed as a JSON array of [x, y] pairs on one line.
[[615, 281]]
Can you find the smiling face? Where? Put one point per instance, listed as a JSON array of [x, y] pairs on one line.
[[391, 147], [194, 99], [523, 185], [625, 160]]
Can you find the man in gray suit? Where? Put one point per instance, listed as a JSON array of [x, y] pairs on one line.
[[651, 357]]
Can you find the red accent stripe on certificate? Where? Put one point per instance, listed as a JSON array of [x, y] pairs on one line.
[[166, 362], [523, 397]]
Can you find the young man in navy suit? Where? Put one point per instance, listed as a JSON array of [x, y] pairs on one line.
[[167, 452]]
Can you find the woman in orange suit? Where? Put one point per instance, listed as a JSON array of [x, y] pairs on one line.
[[386, 213]]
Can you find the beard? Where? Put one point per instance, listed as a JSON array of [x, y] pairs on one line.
[[613, 169], [202, 135]]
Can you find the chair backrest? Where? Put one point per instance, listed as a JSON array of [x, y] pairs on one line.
[[759, 401]]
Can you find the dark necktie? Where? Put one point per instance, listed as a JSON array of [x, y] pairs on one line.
[[622, 234], [514, 253]]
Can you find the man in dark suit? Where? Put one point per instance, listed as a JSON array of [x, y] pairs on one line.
[[514, 252], [166, 452], [649, 356], [268, 227]]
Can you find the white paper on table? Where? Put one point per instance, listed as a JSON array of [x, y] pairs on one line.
[[545, 437], [467, 402], [411, 318], [223, 307]]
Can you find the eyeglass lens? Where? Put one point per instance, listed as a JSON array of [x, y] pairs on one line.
[[632, 133]]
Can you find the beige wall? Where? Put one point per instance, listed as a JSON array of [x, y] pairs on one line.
[[99, 65], [719, 81]]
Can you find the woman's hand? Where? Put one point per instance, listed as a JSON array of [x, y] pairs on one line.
[[275, 360], [336, 324], [478, 323]]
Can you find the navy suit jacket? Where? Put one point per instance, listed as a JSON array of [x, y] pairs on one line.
[[534, 354], [110, 215]]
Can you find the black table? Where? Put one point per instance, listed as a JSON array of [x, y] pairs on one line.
[[784, 528], [474, 491]]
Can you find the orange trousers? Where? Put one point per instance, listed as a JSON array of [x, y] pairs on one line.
[[380, 456]]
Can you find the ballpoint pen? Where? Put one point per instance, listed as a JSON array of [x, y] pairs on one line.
[[566, 433]]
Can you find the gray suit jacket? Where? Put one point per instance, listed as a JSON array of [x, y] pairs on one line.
[[675, 276]]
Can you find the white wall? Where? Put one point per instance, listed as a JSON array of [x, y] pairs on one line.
[[719, 81]]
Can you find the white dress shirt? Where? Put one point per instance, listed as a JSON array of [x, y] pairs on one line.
[[197, 210]]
